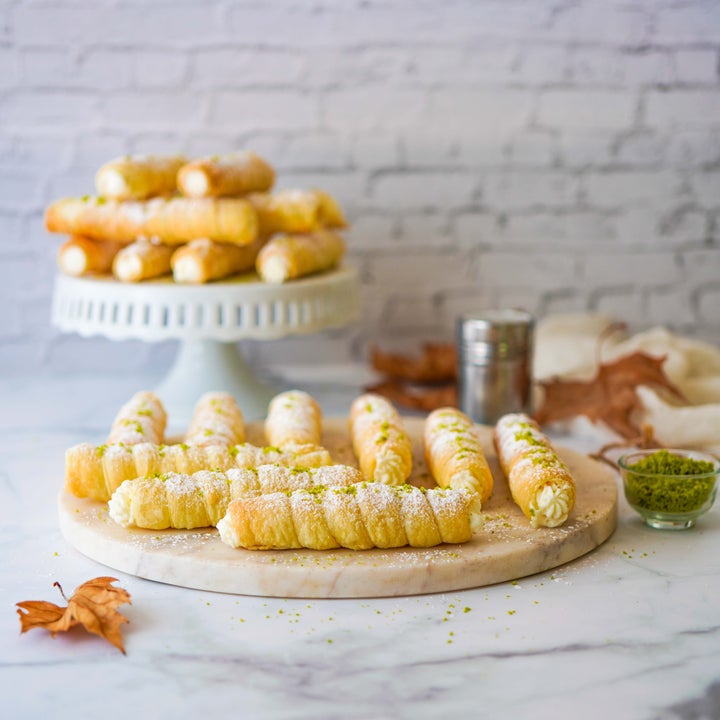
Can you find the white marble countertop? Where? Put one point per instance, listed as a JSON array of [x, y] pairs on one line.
[[631, 630]]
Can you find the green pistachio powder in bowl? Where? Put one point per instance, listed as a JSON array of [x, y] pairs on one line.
[[670, 488]]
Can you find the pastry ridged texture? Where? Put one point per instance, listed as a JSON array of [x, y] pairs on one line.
[[204, 260], [139, 177], [294, 417], [142, 260], [142, 419], [233, 174], [379, 440], [216, 420], [296, 211], [286, 257], [454, 453], [79, 256], [172, 221], [176, 500], [358, 517], [96, 472], [540, 482]]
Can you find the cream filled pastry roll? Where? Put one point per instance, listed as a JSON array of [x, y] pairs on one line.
[[216, 420], [172, 221], [454, 453], [294, 418], [379, 440], [359, 517], [84, 256], [96, 471], [296, 211], [176, 500], [539, 481], [142, 419], [138, 177], [226, 175], [178, 220], [204, 260], [142, 260], [97, 218], [286, 257]]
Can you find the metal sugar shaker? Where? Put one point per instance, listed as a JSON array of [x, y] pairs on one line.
[[494, 350]]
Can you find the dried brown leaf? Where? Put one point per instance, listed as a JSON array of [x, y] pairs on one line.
[[436, 364], [92, 605], [610, 397], [414, 397]]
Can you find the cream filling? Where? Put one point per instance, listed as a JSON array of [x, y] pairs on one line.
[[275, 270], [195, 183], [119, 505], [111, 184], [465, 480], [128, 267], [551, 506], [227, 532], [74, 261], [389, 469], [186, 270], [477, 519]]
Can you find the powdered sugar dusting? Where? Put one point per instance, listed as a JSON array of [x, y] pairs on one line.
[[380, 442], [373, 514], [454, 452], [141, 419], [216, 420], [293, 417], [530, 463]]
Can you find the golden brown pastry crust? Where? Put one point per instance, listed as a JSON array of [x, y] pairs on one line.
[[216, 420], [96, 472], [142, 260], [204, 260], [379, 440], [142, 419], [176, 500], [358, 517], [540, 483], [172, 221], [296, 211], [454, 453], [294, 417], [138, 177], [229, 175], [286, 257], [83, 256]]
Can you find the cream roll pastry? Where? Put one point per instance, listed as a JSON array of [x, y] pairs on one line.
[[177, 500], [216, 420], [454, 453], [294, 417], [539, 481], [142, 419], [358, 517], [379, 440], [97, 471]]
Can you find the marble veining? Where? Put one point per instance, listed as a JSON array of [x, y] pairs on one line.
[[630, 630]]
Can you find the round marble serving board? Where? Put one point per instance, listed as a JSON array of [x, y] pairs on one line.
[[507, 547]]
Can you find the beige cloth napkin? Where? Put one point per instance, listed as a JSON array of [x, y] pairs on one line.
[[567, 346]]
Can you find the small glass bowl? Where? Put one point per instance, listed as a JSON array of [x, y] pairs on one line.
[[669, 502]]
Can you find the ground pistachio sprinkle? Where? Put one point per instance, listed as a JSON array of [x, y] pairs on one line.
[[652, 482]]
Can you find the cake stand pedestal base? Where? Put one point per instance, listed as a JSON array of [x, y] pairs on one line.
[[205, 365]]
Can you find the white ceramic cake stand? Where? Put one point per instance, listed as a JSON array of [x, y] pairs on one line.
[[208, 320]]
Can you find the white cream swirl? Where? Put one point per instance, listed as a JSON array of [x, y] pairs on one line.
[[389, 469], [551, 506], [119, 505]]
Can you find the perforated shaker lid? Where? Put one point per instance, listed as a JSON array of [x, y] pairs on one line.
[[501, 333]]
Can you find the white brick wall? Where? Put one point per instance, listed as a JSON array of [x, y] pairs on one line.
[[563, 156]]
